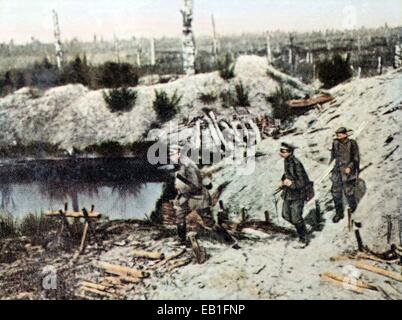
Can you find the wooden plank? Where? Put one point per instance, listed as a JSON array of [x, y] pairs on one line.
[[149, 255], [164, 262], [346, 280], [179, 263], [380, 271], [120, 270], [71, 214], [306, 103], [98, 292]]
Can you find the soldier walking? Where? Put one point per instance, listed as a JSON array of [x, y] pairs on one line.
[[345, 173], [293, 183], [193, 195]]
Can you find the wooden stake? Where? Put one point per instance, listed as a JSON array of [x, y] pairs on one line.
[[350, 219], [359, 240], [200, 253], [267, 218]]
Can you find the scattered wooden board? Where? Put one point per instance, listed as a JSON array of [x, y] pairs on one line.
[[149, 255], [121, 271], [356, 286], [380, 271]]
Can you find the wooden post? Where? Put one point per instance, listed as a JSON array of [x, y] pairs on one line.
[[244, 215], [359, 240], [350, 222], [267, 218], [200, 253], [389, 228]]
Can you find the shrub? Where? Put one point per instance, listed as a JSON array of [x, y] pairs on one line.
[[32, 149], [227, 98], [106, 149], [165, 106], [120, 100], [242, 93], [208, 97], [225, 66], [8, 226], [334, 71], [77, 71], [37, 226], [115, 75], [280, 110]]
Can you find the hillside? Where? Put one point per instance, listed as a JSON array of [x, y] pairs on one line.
[[74, 116]]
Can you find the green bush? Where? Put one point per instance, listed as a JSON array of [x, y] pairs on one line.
[[116, 75], [225, 66], [106, 149], [32, 149], [77, 71], [334, 71], [280, 109], [120, 100], [242, 93], [208, 97], [8, 226], [165, 106], [227, 98]]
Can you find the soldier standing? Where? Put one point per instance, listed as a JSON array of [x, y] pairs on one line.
[[345, 152], [293, 183]]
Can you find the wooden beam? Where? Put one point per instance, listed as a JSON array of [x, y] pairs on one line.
[[356, 286], [71, 214], [120, 270], [149, 255], [380, 271]]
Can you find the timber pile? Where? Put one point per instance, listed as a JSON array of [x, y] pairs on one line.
[[117, 281]]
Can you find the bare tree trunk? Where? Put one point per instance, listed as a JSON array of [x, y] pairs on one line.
[[188, 38], [215, 39], [152, 53], [269, 51], [57, 41]]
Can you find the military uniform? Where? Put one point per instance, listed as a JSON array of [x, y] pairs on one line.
[[294, 196], [192, 196], [346, 155]]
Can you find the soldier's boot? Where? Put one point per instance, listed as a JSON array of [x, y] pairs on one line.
[[304, 238], [181, 233], [338, 216], [352, 203]]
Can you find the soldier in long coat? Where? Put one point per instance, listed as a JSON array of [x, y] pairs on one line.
[[345, 152], [293, 183]]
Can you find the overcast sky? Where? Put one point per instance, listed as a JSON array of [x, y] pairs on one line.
[[21, 19]]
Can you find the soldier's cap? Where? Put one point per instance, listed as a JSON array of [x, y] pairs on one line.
[[343, 130], [287, 147]]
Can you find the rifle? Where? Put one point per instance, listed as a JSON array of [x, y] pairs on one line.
[[189, 183]]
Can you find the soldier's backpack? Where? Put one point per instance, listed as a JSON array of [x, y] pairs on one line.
[[309, 191]]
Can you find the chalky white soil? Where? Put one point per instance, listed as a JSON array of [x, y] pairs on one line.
[[267, 266]]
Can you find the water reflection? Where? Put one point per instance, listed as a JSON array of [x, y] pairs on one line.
[[119, 190]]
